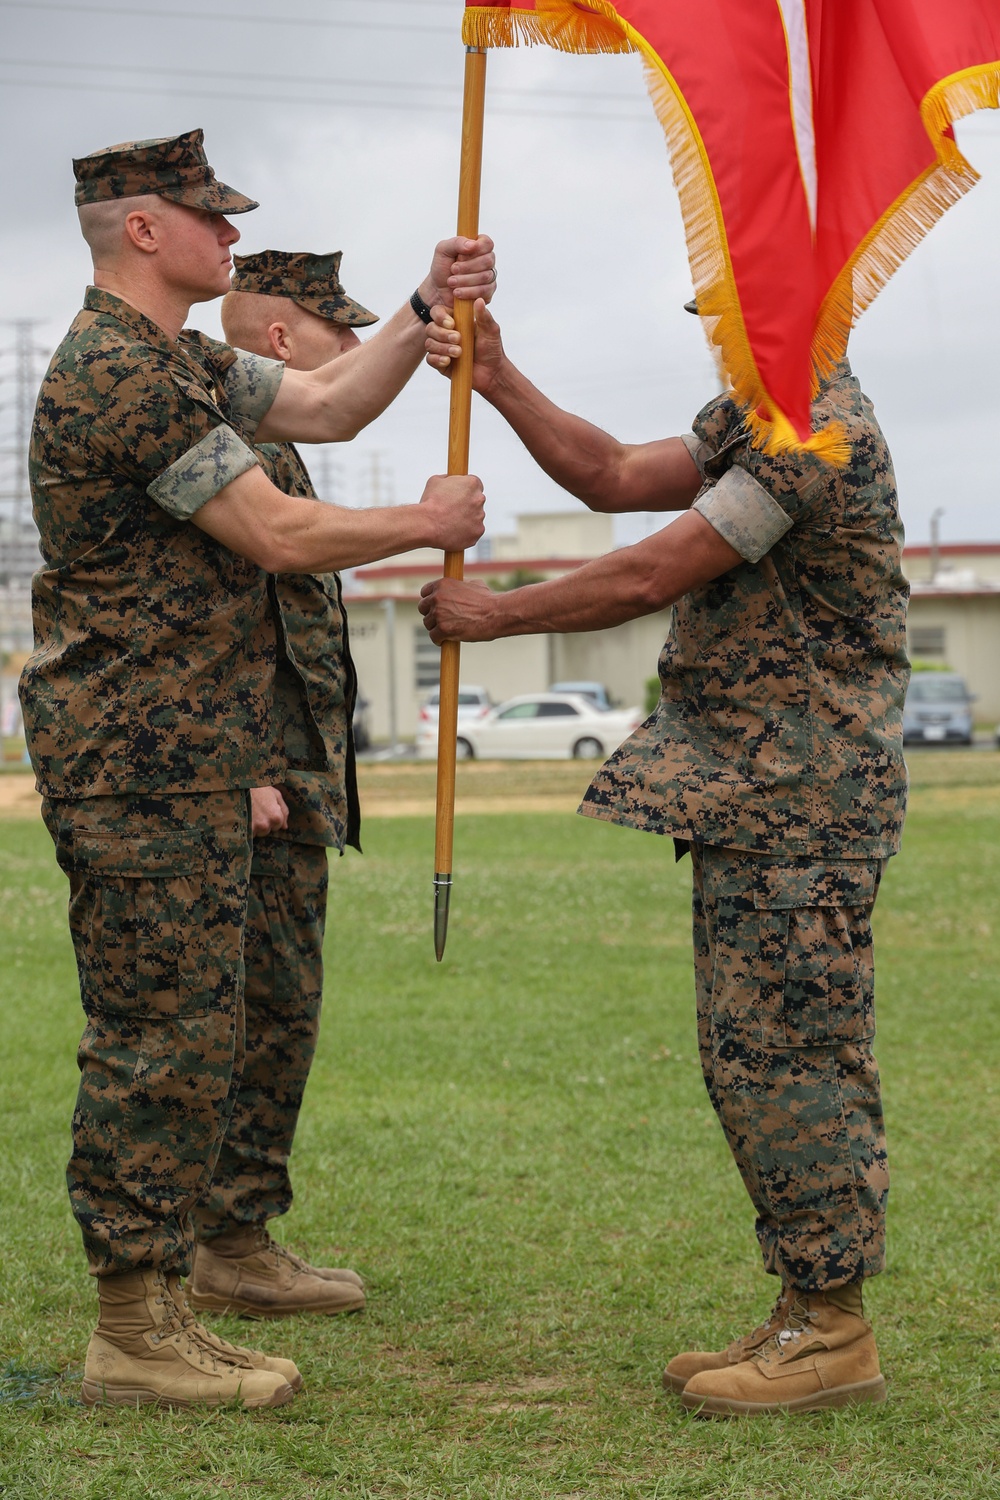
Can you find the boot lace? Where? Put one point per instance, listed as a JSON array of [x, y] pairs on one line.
[[768, 1325], [796, 1323], [219, 1348], [279, 1252], [183, 1330]]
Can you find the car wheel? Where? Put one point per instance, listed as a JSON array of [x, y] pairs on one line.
[[587, 749], [463, 750]]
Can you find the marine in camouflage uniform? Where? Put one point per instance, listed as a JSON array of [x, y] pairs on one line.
[[775, 758], [288, 882], [776, 755], [144, 703], [147, 704]]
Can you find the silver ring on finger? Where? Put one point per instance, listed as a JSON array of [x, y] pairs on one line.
[[493, 273]]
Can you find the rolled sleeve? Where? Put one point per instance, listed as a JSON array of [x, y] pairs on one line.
[[251, 385], [215, 461], [699, 451], [744, 514]]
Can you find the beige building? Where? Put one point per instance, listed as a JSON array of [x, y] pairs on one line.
[[954, 615], [954, 620]]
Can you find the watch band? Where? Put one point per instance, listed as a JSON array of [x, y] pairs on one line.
[[420, 307]]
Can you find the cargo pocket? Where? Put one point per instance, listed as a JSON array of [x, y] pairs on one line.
[[816, 980], [138, 914]]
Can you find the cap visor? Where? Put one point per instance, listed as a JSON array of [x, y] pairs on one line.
[[339, 310], [215, 198]]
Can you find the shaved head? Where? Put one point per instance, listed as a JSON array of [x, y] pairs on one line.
[[280, 328], [246, 317], [103, 225]]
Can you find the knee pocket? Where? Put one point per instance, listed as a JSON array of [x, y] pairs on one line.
[[816, 979]]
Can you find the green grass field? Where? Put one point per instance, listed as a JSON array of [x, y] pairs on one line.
[[516, 1149]]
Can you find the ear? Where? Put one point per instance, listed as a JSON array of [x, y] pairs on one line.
[[140, 231], [279, 338]]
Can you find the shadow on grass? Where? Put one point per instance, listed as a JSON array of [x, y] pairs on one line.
[[24, 1385]]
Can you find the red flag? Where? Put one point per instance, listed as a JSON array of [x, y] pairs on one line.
[[812, 147]]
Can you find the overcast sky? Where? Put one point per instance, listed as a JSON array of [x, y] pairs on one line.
[[342, 117]]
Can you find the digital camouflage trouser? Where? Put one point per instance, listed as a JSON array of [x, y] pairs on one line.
[[283, 995], [785, 984], [158, 892]]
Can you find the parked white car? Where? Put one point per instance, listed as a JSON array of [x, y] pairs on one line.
[[538, 726]]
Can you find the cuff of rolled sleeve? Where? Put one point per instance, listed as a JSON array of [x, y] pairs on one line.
[[215, 461], [744, 514], [698, 450], [251, 384]]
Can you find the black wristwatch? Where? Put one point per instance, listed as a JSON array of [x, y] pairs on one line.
[[420, 307]]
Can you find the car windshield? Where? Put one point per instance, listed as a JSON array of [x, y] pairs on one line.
[[928, 688]]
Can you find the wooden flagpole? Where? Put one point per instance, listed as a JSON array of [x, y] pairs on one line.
[[469, 177]]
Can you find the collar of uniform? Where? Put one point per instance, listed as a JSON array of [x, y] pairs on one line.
[[116, 307], [841, 371]]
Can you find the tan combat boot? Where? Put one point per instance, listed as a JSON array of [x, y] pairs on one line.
[[683, 1366], [245, 1271], [823, 1355], [141, 1354], [325, 1273], [223, 1349]]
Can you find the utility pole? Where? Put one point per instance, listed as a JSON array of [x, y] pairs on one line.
[[329, 474], [389, 606], [936, 542], [15, 490], [19, 555], [381, 488]]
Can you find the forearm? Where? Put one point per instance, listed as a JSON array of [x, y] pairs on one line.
[[581, 458], [600, 594], [289, 534], [620, 586], [337, 401], [607, 475], [310, 537]]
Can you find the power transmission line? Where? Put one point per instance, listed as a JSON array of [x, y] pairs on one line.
[[409, 107], [589, 95], [231, 18]]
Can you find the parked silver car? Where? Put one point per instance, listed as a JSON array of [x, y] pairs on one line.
[[938, 709], [595, 691]]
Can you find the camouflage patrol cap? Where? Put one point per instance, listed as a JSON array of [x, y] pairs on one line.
[[313, 281], [173, 167]]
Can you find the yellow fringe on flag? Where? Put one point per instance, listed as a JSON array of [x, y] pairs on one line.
[[915, 211], [558, 23]]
